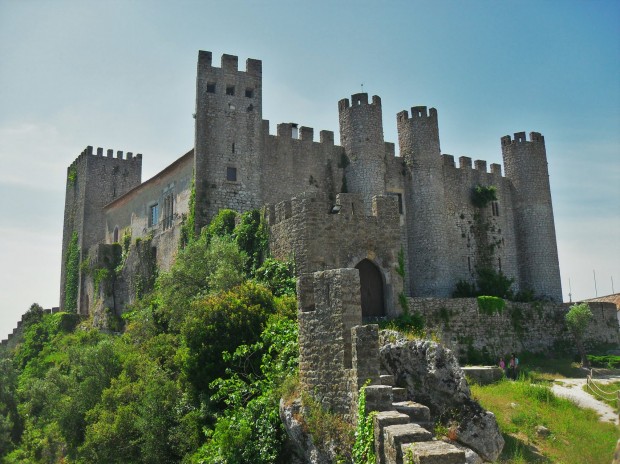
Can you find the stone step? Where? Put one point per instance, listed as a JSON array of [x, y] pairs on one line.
[[387, 379], [432, 452], [416, 411], [394, 436], [382, 420], [379, 398], [400, 394]]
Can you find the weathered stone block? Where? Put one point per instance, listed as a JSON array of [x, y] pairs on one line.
[[395, 436], [432, 452], [380, 421]]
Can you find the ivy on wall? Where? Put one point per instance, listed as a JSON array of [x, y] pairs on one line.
[[188, 232], [72, 274], [72, 175], [482, 195]]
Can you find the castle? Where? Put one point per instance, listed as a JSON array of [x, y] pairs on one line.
[[328, 206]]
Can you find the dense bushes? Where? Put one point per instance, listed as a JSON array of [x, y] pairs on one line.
[[195, 375]]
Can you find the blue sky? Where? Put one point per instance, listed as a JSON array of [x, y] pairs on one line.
[[121, 75]]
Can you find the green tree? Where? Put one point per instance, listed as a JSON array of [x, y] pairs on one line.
[[250, 429], [203, 266], [577, 319], [218, 323]]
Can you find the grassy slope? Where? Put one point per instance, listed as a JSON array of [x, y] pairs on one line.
[[577, 436]]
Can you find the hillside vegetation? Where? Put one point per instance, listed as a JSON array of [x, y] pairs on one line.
[[194, 377]]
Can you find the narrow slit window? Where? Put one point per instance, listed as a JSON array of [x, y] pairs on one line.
[[231, 174]]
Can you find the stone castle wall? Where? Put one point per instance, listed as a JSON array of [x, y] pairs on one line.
[[94, 180], [292, 162], [520, 327], [237, 164], [308, 230], [169, 192]]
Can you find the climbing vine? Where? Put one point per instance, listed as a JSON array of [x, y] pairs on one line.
[[72, 175], [72, 274], [490, 305], [188, 232], [364, 447], [482, 195]]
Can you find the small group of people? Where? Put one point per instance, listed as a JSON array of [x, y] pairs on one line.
[[512, 369]]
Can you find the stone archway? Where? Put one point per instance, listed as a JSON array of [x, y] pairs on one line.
[[371, 283]]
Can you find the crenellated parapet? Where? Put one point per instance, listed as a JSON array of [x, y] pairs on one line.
[[230, 63], [17, 331], [292, 131], [519, 138], [89, 151]]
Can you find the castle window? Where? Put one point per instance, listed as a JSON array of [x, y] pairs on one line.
[[400, 201], [230, 90], [168, 211], [211, 87], [115, 238], [499, 264], [231, 174], [495, 208], [153, 215], [233, 147], [249, 93]]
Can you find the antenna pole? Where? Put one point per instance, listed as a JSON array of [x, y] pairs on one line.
[[595, 289]]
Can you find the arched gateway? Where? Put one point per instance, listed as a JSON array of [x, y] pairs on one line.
[[371, 283]]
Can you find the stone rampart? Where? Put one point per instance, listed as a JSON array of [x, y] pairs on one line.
[[319, 235], [520, 327], [14, 337]]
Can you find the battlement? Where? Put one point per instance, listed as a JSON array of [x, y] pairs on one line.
[[88, 151], [290, 130], [519, 137], [17, 329], [230, 63], [358, 99], [465, 163], [417, 112], [312, 204]]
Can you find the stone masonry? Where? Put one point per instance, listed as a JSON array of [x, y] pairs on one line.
[[236, 163]]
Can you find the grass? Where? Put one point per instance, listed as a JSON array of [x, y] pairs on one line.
[[610, 389], [577, 436]]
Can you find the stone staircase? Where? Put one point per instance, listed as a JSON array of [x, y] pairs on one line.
[[403, 429]]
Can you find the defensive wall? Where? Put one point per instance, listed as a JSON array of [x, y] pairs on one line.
[[237, 164], [537, 327], [93, 181], [318, 235], [14, 337]]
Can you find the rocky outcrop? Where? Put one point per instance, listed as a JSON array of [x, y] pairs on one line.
[[301, 448], [432, 376]]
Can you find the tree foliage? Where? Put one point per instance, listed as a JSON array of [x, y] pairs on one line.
[[577, 319], [196, 373]]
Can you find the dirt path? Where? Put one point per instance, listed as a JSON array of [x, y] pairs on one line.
[[572, 389]]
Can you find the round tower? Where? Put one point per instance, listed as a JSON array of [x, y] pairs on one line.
[[525, 164], [361, 135], [418, 138]]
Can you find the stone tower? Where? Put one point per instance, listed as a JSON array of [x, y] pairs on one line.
[[227, 148], [361, 135], [418, 138], [525, 164], [93, 181]]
